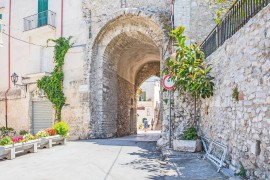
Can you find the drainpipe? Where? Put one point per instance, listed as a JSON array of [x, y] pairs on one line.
[[172, 19], [6, 93], [62, 9]]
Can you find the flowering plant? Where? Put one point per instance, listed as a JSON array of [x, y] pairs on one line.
[[28, 137], [18, 140], [41, 134], [51, 131], [6, 141]]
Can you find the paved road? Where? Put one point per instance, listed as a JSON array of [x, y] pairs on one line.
[[110, 159]]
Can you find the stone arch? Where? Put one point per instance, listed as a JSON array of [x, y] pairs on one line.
[[124, 44], [147, 70]]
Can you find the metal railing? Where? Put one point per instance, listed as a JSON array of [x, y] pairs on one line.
[[38, 20], [237, 16]]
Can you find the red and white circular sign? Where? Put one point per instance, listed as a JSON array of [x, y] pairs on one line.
[[167, 82]]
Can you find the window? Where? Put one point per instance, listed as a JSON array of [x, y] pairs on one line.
[[143, 96], [42, 12], [148, 112]]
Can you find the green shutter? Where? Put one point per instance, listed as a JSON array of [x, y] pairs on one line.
[[42, 12], [0, 16]]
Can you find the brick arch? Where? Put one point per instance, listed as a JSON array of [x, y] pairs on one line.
[[113, 71]]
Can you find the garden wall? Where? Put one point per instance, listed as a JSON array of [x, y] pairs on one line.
[[244, 126]]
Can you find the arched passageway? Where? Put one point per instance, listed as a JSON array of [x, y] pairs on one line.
[[125, 53]]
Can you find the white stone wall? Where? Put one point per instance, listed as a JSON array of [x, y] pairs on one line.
[[243, 126]]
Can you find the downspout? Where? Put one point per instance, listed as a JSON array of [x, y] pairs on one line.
[[8, 78], [172, 20], [62, 9]]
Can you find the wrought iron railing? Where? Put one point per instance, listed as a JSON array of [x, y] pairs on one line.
[[38, 20], [237, 16]]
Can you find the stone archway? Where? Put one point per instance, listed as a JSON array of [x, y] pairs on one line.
[[122, 49]]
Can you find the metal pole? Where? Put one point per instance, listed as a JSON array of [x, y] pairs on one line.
[[170, 121]]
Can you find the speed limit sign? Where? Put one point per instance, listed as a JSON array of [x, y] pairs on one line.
[[167, 82]]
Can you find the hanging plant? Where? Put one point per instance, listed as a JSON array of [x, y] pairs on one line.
[[53, 85]]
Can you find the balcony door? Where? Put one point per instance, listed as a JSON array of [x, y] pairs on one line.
[[42, 12]]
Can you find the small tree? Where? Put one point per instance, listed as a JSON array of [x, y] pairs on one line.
[[188, 70]]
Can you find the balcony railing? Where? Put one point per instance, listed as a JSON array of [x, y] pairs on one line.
[[38, 20], [237, 16]]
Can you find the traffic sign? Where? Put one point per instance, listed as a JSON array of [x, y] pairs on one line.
[[167, 82]]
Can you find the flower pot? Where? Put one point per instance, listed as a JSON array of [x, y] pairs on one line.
[[187, 145], [10, 151], [47, 142]]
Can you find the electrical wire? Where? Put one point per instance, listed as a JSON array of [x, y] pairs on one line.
[[34, 44]]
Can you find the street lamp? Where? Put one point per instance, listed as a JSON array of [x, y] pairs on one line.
[[14, 78]]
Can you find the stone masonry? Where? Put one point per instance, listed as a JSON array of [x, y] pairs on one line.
[[243, 126]]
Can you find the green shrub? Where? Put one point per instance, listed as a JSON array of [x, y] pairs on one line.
[[23, 132], [6, 141], [61, 128], [190, 134], [41, 134]]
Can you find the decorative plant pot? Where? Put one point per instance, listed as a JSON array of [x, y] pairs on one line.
[[47, 142], [10, 151], [187, 145]]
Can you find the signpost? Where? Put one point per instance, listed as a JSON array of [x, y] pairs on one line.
[[169, 85]]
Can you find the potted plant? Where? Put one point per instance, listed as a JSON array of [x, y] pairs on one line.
[[55, 135], [188, 142], [9, 146]]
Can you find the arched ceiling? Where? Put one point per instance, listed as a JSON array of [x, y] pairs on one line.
[[130, 51]]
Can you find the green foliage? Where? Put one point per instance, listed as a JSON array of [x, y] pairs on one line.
[[188, 70], [53, 85], [5, 141], [242, 173], [23, 132], [224, 6], [28, 137], [4, 129], [41, 134], [190, 134], [61, 128], [235, 94]]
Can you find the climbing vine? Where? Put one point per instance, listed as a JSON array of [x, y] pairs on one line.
[[223, 7], [53, 85]]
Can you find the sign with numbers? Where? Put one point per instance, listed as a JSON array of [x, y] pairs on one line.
[[167, 82]]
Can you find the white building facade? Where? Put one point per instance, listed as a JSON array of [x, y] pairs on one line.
[[148, 104]]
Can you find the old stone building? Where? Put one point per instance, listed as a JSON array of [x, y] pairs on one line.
[[118, 45]]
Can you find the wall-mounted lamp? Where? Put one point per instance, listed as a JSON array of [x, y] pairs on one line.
[[14, 78]]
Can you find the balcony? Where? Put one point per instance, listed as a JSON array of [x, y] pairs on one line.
[[43, 21]]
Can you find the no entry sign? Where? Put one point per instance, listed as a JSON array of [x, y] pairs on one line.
[[167, 82]]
